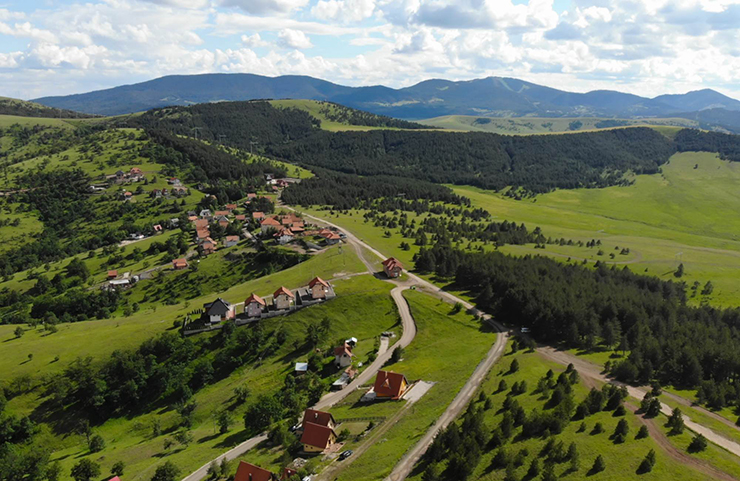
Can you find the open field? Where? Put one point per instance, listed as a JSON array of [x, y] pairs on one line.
[[621, 460], [362, 309], [544, 125], [71, 340], [8, 120]]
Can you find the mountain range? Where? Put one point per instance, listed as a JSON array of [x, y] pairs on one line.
[[487, 97]]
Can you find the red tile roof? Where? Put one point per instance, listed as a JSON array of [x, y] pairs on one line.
[[232, 238], [318, 280], [283, 290], [221, 212], [201, 223], [392, 263], [317, 435], [250, 472], [388, 384], [318, 417], [112, 273], [254, 298], [339, 350], [179, 262], [269, 221], [241, 217]]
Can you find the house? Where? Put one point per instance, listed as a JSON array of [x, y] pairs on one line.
[[222, 220], [128, 195], [174, 222], [251, 196], [317, 438], [319, 417], [250, 472], [241, 217], [173, 180], [282, 183], [390, 385], [218, 310], [156, 193], [220, 213], [319, 288], [343, 356], [120, 174], [115, 478], [230, 207], [206, 213], [258, 216], [269, 223], [136, 171], [283, 236], [202, 234], [283, 299], [208, 247], [301, 367], [178, 264], [157, 228], [392, 267], [332, 238], [231, 240], [254, 305], [201, 224], [180, 191], [112, 274], [344, 380]]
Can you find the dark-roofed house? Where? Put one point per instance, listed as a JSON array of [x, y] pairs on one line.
[[254, 305], [250, 472], [319, 288], [390, 385], [319, 417], [219, 310], [283, 298], [392, 267], [317, 438]]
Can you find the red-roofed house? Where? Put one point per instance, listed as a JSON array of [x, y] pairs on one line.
[[283, 236], [317, 438], [319, 288], [392, 267], [269, 223], [202, 234], [240, 217], [230, 207], [390, 385], [136, 171], [343, 356], [200, 223], [115, 478], [283, 298], [251, 196], [112, 274], [319, 417], [250, 472], [258, 216], [179, 264], [254, 305], [220, 213], [231, 240], [208, 247]]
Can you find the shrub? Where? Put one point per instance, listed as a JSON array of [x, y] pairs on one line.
[[85, 470], [642, 432], [96, 443], [166, 472], [698, 443], [117, 468]]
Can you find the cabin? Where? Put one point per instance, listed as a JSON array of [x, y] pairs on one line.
[[283, 299], [268, 224], [390, 385], [319, 288], [218, 311], [250, 472], [319, 417], [179, 264], [222, 220], [231, 240], [254, 305], [343, 356], [180, 191], [392, 268], [332, 238], [317, 438]]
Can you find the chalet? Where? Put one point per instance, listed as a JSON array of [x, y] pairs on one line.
[[208, 247], [174, 222], [193, 218], [178, 264], [319, 288], [250, 472], [343, 356], [218, 310], [317, 438], [281, 183], [297, 228], [345, 379], [173, 180], [251, 196], [231, 240], [269, 223], [254, 305], [112, 274], [258, 216], [392, 267], [390, 385], [230, 207], [283, 236], [120, 174], [200, 223], [301, 368], [319, 417], [283, 299]]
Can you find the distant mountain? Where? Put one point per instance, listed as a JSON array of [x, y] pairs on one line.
[[23, 108], [487, 97]]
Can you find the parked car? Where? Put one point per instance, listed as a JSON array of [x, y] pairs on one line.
[[346, 454]]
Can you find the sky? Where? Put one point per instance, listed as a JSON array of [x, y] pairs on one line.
[[645, 47]]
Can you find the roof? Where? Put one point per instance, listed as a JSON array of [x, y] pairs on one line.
[[250, 472], [257, 215], [112, 273], [287, 474], [201, 223], [232, 238], [217, 303], [270, 221], [240, 217], [318, 417], [392, 263], [115, 478], [231, 206], [202, 233], [317, 435], [388, 384], [339, 350], [301, 366], [333, 236], [283, 232], [254, 298], [180, 262], [251, 196], [318, 280], [283, 290], [221, 212]]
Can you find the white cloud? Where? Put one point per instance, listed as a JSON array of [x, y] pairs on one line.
[[289, 38], [266, 7], [253, 41], [344, 11]]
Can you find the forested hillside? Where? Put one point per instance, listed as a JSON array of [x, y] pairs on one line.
[[22, 108]]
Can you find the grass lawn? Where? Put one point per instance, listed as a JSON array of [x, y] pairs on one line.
[[362, 309], [621, 460], [442, 341], [8, 120], [73, 339]]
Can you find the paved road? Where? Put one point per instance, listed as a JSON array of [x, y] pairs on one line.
[[586, 368], [233, 453]]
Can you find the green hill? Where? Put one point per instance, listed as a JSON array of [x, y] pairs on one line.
[[24, 108]]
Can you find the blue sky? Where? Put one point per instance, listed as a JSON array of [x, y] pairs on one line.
[[647, 47]]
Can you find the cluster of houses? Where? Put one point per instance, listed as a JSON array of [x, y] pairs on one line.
[[287, 228], [121, 177], [282, 301], [202, 222]]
